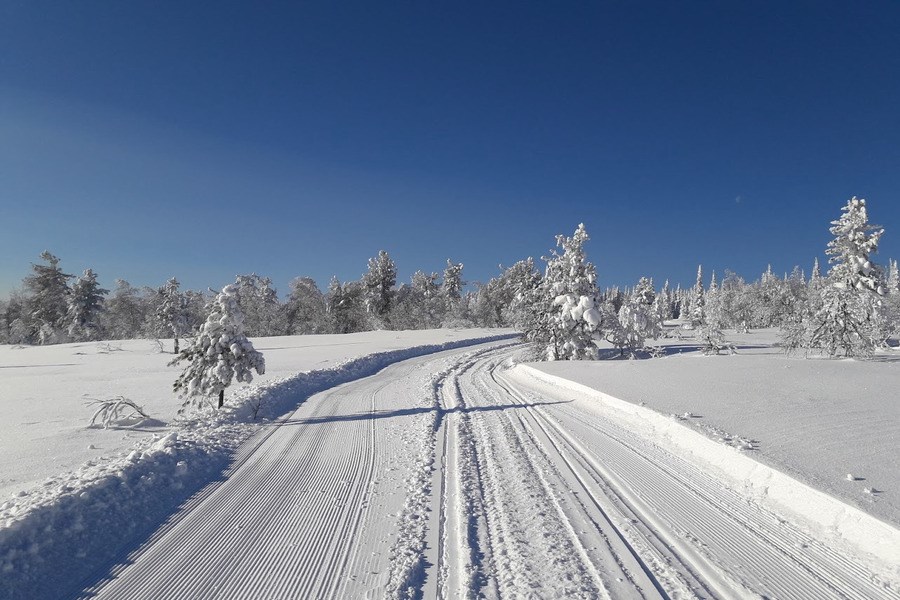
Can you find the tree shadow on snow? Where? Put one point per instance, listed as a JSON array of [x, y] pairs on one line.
[[406, 412]]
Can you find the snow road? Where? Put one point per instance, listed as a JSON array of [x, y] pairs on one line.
[[446, 476]]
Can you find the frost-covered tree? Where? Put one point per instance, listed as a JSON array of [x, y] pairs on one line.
[[307, 311], [571, 319], [850, 318], [638, 318], [379, 282], [346, 307], [452, 285], [170, 311], [697, 299], [85, 307], [263, 313], [125, 314], [48, 302], [219, 354]]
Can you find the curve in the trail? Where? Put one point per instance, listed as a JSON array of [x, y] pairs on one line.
[[446, 476]]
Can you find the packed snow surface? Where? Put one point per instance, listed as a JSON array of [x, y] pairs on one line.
[[814, 419], [44, 391], [434, 472]]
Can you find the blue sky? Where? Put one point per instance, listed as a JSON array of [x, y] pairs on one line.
[[202, 140]]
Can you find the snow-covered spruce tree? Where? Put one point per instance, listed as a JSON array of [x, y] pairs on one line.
[[125, 315], [639, 318], [379, 282], [851, 317], [264, 315], [346, 307], [709, 331], [697, 299], [170, 310], [572, 320], [48, 303], [85, 307], [219, 354], [307, 311]]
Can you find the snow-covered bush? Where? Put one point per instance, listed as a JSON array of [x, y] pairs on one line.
[[220, 353], [116, 411]]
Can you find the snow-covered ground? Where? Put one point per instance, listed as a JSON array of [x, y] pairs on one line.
[[817, 420], [43, 390], [436, 472]]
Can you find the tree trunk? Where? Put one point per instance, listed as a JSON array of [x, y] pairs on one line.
[[176, 344], [221, 398]]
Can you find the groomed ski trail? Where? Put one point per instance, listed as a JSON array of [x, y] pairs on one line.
[[448, 476]]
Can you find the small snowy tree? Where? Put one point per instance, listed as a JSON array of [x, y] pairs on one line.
[[85, 307], [697, 299], [219, 354], [572, 319], [170, 310], [639, 318]]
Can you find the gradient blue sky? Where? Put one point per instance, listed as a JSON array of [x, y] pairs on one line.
[[203, 140]]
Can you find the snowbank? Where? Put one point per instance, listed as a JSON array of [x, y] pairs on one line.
[[820, 513]]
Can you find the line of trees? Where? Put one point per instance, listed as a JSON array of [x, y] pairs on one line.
[[852, 310], [55, 307]]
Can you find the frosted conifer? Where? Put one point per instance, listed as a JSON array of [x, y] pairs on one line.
[[379, 282], [850, 318], [219, 354], [48, 303], [170, 310], [85, 306]]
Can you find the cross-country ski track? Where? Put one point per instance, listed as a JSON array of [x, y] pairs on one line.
[[453, 475]]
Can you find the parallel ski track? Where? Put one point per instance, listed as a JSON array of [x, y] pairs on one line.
[[283, 526], [720, 542], [533, 495]]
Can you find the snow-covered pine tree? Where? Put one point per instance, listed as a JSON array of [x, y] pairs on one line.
[[219, 354], [851, 317], [124, 312], [307, 311], [572, 318], [379, 282], [638, 318], [85, 307], [264, 315], [893, 278], [48, 303], [453, 283], [697, 299], [170, 310]]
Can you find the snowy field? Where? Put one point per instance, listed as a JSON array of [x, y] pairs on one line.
[[44, 389], [817, 420], [447, 471]]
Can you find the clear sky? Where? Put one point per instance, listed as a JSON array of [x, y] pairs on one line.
[[206, 139]]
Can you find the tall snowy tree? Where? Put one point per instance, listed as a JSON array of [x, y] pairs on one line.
[[220, 353], [85, 307], [263, 313], [307, 311], [571, 317], [170, 310], [48, 303], [697, 299], [638, 318], [453, 283], [379, 282], [851, 317]]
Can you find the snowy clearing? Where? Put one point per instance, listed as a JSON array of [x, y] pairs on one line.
[[456, 475], [817, 420]]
